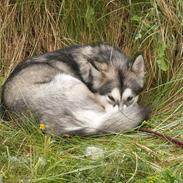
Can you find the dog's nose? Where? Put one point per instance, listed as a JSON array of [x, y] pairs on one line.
[[117, 103]]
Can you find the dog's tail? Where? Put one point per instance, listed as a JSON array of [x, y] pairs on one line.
[[124, 120], [115, 122]]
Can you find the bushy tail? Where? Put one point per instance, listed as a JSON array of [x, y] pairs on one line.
[[121, 121], [125, 120]]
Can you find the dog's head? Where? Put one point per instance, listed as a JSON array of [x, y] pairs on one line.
[[110, 74]]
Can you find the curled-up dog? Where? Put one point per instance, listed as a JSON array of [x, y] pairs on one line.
[[80, 90]]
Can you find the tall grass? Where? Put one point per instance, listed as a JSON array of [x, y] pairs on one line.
[[153, 27]]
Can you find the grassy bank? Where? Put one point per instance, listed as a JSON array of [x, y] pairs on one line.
[[153, 27]]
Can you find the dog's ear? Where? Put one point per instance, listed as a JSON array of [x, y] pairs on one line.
[[91, 71], [138, 66], [85, 71]]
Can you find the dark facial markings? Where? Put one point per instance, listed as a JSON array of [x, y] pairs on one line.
[[134, 85], [111, 98], [129, 98], [121, 78], [106, 88]]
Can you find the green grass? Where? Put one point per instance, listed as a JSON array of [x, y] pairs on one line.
[[153, 27]]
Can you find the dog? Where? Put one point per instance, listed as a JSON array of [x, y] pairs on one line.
[[80, 90]]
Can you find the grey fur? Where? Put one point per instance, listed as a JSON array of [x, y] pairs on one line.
[[61, 88]]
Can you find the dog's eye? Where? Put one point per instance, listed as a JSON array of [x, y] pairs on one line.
[[111, 98], [129, 98]]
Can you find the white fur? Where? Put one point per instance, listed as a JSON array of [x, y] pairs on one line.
[[104, 101], [127, 92], [73, 128], [65, 82], [116, 94], [91, 119], [110, 108], [64, 77], [87, 50]]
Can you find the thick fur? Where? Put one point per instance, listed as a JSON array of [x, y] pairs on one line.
[[65, 90], [66, 106], [104, 69]]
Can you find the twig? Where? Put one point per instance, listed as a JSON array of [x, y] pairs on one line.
[[179, 143]]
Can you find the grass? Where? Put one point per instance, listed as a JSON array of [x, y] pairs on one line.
[[153, 27]]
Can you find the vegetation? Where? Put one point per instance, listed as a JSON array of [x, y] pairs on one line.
[[153, 27]]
